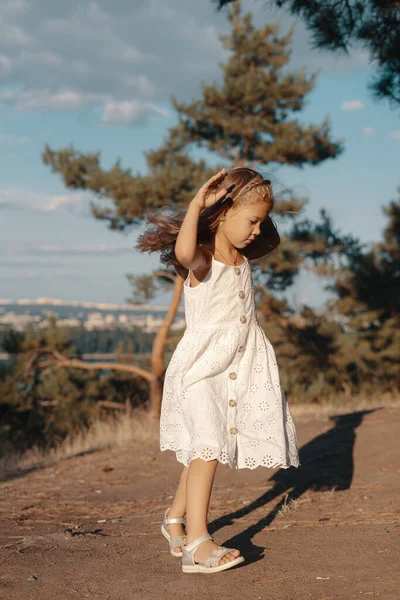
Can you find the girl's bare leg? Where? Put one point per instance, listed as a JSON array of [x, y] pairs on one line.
[[178, 508], [199, 482]]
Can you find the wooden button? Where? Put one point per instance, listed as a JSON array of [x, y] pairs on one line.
[[232, 375], [232, 403], [243, 319], [233, 430], [241, 294]]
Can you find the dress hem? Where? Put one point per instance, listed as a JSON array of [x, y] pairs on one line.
[[228, 462]]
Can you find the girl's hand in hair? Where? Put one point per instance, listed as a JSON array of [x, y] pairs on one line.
[[208, 194]]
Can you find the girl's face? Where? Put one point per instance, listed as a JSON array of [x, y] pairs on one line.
[[242, 227]]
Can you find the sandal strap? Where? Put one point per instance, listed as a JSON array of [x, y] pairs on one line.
[[193, 545], [177, 541], [175, 520], [216, 555]]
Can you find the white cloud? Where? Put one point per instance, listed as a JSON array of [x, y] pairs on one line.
[[368, 131], [77, 203], [14, 7], [15, 36], [68, 55], [65, 99], [126, 113], [352, 105], [13, 140], [5, 65], [395, 135], [21, 199], [81, 249], [7, 97], [143, 85]]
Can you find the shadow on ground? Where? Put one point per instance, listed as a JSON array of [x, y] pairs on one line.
[[326, 463]]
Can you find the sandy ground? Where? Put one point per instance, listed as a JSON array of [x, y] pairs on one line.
[[336, 535]]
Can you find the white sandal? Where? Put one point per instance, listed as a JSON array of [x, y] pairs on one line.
[[179, 540], [211, 565]]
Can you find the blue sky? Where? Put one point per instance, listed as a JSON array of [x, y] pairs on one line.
[[115, 99]]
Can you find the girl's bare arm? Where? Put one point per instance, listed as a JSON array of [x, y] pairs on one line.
[[187, 252]]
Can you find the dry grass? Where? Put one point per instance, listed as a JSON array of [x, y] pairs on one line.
[[117, 432], [292, 505], [342, 405]]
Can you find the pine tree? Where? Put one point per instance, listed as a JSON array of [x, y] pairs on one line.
[[339, 25], [42, 403], [250, 119], [353, 346], [368, 298]]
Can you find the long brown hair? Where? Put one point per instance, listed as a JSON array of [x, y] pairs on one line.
[[249, 187]]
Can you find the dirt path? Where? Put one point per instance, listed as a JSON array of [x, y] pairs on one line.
[[336, 535]]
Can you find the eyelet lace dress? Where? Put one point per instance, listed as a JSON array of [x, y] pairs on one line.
[[222, 396]]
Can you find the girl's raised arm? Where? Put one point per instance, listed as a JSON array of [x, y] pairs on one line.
[[186, 249]]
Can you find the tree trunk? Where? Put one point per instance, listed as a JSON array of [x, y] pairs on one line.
[[157, 355]]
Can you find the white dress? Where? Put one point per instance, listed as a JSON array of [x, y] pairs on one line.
[[222, 396]]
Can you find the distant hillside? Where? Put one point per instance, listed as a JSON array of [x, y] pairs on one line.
[[92, 316]]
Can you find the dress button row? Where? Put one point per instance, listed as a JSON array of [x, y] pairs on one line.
[[232, 375], [233, 430], [241, 294], [243, 319], [232, 403]]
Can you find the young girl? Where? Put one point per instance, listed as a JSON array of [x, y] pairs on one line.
[[222, 399]]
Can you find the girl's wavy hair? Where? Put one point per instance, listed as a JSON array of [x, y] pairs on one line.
[[249, 187]]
